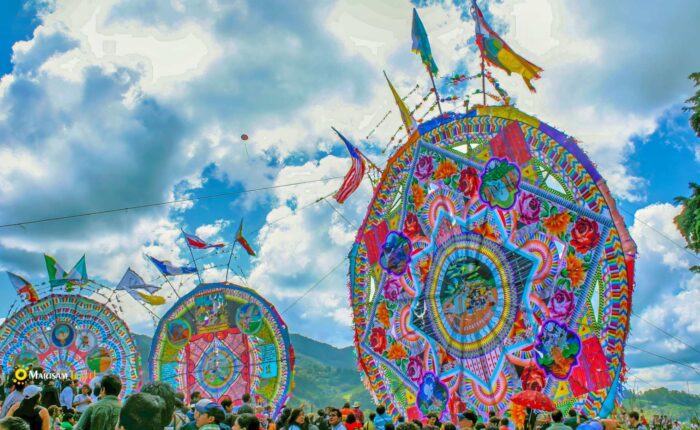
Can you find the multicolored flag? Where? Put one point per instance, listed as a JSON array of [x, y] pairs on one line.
[[166, 268], [497, 52], [199, 243], [421, 45], [242, 240], [58, 276], [23, 287], [131, 283], [354, 176], [408, 121]]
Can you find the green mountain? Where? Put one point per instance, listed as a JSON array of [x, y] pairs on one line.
[[324, 375], [662, 401]]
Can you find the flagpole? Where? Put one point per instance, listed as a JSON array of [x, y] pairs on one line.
[[192, 254], [483, 78], [230, 255], [437, 96]]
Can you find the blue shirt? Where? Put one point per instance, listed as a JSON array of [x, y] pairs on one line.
[[66, 397], [381, 420]]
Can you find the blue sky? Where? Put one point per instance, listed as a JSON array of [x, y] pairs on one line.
[[109, 106]]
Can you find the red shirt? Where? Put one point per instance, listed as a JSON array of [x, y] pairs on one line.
[[354, 426]]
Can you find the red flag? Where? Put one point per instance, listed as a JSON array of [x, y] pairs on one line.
[[354, 176], [23, 288], [244, 243], [197, 242]]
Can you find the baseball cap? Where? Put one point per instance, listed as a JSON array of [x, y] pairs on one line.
[[30, 391], [356, 405], [207, 406]]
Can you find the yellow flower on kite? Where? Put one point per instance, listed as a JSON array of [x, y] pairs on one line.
[[396, 352], [445, 169], [383, 315], [575, 270], [418, 195], [557, 224]]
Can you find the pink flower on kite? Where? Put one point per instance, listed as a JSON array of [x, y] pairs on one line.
[[529, 207], [424, 168], [414, 369], [561, 306], [378, 340], [392, 289]]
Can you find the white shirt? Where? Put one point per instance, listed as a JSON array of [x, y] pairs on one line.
[[66, 397], [79, 398]]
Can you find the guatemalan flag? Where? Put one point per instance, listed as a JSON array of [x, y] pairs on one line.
[[199, 243], [169, 269], [354, 176]]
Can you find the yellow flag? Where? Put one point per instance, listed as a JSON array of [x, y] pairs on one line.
[[406, 116], [151, 300]]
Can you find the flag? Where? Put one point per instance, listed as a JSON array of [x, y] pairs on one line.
[[198, 243], [167, 268], [58, 276], [406, 116], [497, 52], [23, 287], [354, 176], [421, 45], [244, 243], [131, 283]]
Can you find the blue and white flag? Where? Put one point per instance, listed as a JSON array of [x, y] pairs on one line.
[[168, 269]]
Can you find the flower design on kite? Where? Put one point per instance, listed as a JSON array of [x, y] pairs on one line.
[[414, 369], [378, 340], [424, 168], [584, 235], [392, 289], [561, 306], [529, 207], [468, 181], [396, 253]]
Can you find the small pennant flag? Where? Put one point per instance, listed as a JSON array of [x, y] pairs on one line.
[[198, 243], [354, 176], [167, 268], [242, 240], [58, 276], [421, 45], [497, 52], [23, 287], [133, 281], [408, 121]]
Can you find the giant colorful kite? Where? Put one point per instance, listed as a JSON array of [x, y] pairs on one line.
[[222, 339], [70, 334], [491, 260]]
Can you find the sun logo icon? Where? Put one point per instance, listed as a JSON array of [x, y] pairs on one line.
[[20, 375]]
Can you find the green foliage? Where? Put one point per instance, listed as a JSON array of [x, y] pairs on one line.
[[662, 401], [688, 221], [694, 104]]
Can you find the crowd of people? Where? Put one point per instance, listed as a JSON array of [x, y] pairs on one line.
[[48, 406]]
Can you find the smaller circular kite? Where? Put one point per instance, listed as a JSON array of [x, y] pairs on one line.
[[72, 335], [222, 339]]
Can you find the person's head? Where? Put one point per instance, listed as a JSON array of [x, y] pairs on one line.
[[557, 416], [167, 394], [389, 426], [85, 390], [417, 423], [13, 423], [400, 419], [381, 409], [467, 419], [296, 417], [50, 382], [633, 418], [334, 417], [492, 414], [350, 419], [246, 398], [504, 422], [449, 426], [195, 397], [494, 421], [247, 422], [356, 405], [31, 397], [138, 412], [54, 411], [96, 390], [432, 419], [346, 405], [372, 416], [69, 417], [227, 403], [208, 412], [110, 385], [480, 426], [572, 413]]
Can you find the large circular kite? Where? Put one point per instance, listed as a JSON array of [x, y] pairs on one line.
[[492, 260], [71, 334], [222, 339]]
